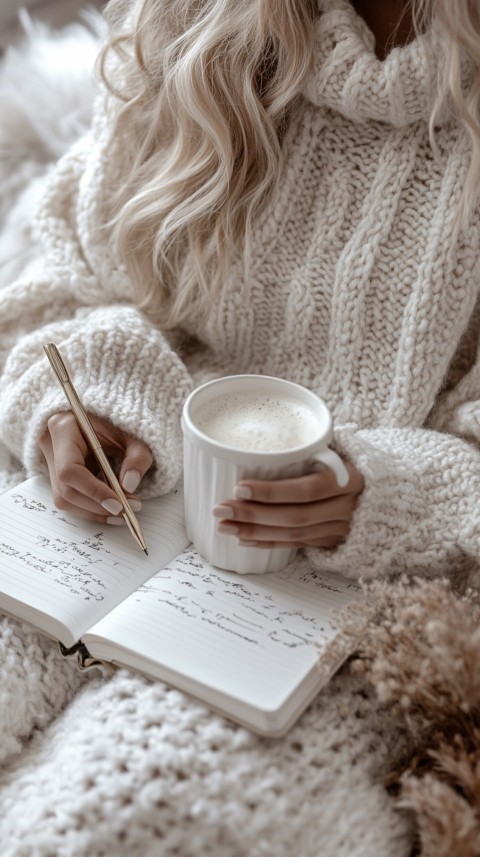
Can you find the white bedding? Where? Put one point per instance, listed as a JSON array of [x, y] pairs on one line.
[[53, 12]]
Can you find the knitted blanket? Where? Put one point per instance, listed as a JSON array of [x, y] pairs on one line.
[[119, 765]]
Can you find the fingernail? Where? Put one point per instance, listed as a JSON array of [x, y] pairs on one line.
[[243, 492], [227, 529], [131, 481], [112, 506], [116, 522], [135, 505], [222, 511]]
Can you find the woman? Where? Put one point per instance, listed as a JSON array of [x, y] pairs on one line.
[[273, 188]]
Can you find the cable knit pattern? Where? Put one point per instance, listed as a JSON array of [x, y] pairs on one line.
[[360, 290]]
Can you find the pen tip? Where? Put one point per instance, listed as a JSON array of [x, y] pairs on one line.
[[145, 551]]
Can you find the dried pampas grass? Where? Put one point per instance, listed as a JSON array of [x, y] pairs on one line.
[[420, 648]]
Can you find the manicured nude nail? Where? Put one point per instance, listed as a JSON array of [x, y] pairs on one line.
[[222, 511], [243, 492], [112, 506], [131, 481], [116, 522], [135, 505], [227, 529]]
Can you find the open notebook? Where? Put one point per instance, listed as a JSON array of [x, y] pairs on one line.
[[247, 645]]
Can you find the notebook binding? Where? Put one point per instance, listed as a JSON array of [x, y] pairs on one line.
[[85, 661]]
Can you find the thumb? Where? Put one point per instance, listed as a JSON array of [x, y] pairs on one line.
[[138, 459]]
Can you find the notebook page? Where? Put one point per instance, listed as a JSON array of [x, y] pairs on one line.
[[70, 569], [250, 637]]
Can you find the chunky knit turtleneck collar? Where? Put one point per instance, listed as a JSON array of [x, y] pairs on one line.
[[349, 78]]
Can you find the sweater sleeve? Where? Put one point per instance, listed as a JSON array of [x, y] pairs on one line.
[[124, 370], [420, 510], [78, 296]]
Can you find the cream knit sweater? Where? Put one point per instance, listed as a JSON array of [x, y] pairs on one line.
[[359, 290]]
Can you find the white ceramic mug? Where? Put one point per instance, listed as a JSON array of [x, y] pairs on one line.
[[213, 468]]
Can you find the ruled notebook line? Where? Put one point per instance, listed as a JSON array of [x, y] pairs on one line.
[[75, 570]]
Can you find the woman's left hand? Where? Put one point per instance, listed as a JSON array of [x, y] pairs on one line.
[[307, 511]]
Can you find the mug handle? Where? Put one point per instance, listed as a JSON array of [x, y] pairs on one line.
[[332, 460]]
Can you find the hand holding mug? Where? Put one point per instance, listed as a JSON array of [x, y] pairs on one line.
[[309, 511], [264, 435]]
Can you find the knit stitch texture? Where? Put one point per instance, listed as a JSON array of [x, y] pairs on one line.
[[360, 290]]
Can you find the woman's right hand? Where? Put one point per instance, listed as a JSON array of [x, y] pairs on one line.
[[72, 467]]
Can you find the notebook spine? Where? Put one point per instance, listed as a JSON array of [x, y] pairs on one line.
[[85, 661]]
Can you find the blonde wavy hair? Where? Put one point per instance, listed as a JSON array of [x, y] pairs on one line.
[[208, 88]]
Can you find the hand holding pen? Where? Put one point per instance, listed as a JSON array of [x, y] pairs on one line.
[[69, 451]]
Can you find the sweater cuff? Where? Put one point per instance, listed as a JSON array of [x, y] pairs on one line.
[[417, 512], [123, 370]]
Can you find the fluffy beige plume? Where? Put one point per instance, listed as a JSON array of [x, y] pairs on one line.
[[420, 649]]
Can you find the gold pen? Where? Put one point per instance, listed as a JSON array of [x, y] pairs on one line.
[[92, 440]]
